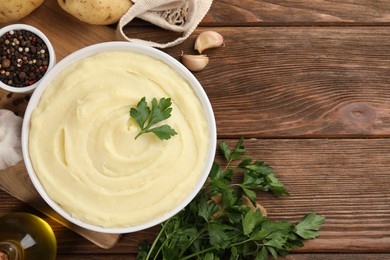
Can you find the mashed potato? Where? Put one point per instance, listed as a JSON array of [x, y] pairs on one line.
[[82, 141]]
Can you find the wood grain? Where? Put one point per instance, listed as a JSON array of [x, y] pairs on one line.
[[309, 82], [292, 12], [14, 102], [301, 82]]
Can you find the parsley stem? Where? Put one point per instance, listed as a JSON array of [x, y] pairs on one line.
[[193, 240], [198, 253], [156, 240], [140, 133], [241, 242], [227, 165], [213, 248], [160, 248]]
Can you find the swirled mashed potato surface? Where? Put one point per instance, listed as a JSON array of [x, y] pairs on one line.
[[82, 141]]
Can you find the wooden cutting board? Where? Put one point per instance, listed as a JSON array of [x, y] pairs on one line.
[[16, 181]]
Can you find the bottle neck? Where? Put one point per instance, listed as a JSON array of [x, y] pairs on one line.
[[10, 251]]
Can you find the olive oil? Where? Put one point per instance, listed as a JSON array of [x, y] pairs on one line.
[[24, 236]]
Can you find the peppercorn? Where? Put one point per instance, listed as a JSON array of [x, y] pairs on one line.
[[22, 75], [5, 63], [21, 64]]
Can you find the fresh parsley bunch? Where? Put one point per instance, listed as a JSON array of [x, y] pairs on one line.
[[218, 225]]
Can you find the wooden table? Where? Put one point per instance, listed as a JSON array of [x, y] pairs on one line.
[[307, 83]]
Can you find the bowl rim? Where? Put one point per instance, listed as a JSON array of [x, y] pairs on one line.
[[138, 48], [52, 57]]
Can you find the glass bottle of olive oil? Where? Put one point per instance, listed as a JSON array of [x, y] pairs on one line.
[[24, 236]]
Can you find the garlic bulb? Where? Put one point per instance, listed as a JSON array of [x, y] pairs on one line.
[[10, 139]]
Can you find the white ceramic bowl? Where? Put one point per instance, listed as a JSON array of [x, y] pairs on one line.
[[52, 57], [120, 46]]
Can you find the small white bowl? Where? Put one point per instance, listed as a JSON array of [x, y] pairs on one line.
[[52, 57], [120, 46]]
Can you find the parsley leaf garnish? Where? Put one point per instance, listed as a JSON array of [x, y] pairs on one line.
[[159, 112], [217, 224]]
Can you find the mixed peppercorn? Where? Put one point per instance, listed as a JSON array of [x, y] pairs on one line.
[[24, 58]]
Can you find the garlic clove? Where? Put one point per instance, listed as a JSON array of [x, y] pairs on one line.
[[195, 62], [207, 40], [10, 139]]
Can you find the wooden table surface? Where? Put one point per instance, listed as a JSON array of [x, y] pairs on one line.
[[307, 83]]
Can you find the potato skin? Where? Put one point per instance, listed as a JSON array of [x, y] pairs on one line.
[[13, 10], [100, 12]]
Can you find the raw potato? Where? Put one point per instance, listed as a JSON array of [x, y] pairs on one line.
[[96, 11], [13, 10]]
